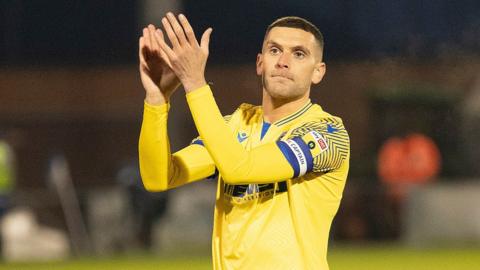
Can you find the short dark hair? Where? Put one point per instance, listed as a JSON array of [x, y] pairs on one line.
[[299, 23]]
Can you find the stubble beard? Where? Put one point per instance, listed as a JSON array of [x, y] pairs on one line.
[[280, 91]]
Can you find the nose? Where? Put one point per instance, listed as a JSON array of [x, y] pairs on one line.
[[283, 61]]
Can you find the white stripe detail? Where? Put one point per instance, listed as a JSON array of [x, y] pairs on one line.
[[301, 158], [317, 136]]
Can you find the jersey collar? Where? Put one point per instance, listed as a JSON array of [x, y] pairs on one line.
[[294, 115]]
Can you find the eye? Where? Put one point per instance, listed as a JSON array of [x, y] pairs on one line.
[[274, 50], [299, 54]]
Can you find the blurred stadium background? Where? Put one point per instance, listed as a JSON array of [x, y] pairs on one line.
[[404, 76]]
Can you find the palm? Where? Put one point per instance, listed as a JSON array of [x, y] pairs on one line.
[[161, 75], [155, 69]]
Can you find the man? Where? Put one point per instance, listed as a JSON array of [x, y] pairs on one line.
[[282, 166]]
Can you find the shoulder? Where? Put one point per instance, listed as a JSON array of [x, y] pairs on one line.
[[245, 113], [317, 141], [322, 137], [321, 131], [318, 114], [319, 120], [247, 109]]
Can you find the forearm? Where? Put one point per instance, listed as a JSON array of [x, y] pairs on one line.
[[236, 165], [154, 148], [160, 169]]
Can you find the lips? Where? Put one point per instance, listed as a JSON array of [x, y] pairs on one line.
[[284, 76]]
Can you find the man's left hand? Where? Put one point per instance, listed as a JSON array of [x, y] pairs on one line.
[[187, 57]]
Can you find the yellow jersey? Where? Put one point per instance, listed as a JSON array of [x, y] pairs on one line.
[[279, 185]]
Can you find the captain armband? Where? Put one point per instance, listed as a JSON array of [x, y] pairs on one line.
[[301, 151]]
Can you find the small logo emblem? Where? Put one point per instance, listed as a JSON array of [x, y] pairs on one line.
[[316, 142], [323, 144], [331, 129], [241, 136]]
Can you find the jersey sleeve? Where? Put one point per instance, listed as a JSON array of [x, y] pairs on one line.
[[161, 170], [316, 146], [198, 141], [236, 164]]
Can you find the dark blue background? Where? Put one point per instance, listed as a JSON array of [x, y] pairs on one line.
[[106, 32]]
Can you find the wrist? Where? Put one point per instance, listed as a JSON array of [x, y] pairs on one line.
[[192, 85], [156, 99], [170, 87]]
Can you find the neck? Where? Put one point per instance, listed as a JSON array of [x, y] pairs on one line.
[[275, 109]]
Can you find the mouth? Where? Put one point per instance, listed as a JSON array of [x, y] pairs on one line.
[[282, 76]]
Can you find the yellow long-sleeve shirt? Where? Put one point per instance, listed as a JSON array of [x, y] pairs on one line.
[[279, 187]]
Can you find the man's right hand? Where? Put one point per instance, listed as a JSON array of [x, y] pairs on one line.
[[156, 74]]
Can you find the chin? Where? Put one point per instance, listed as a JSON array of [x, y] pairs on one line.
[[282, 93], [281, 90]]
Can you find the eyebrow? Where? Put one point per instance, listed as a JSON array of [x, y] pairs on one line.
[[294, 48]]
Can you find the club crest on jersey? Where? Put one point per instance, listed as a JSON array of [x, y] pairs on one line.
[[316, 142]]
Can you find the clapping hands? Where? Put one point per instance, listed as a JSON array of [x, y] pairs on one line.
[[163, 66]]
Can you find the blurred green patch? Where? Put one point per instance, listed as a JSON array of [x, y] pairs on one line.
[[359, 257], [393, 258]]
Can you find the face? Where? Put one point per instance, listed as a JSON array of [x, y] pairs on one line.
[[289, 63]]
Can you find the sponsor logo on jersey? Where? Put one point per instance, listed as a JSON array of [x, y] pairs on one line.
[[316, 142], [245, 193]]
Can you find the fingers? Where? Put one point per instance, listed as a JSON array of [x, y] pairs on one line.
[[155, 35], [153, 42], [205, 41], [160, 38], [164, 46], [177, 28], [179, 32], [188, 30], [146, 48], [170, 33], [141, 47], [141, 55]]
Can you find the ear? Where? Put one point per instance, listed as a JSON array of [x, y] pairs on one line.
[[259, 64], [319, 72]]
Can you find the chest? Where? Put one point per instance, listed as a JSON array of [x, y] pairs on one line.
[[256, 134], [251, 136]]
